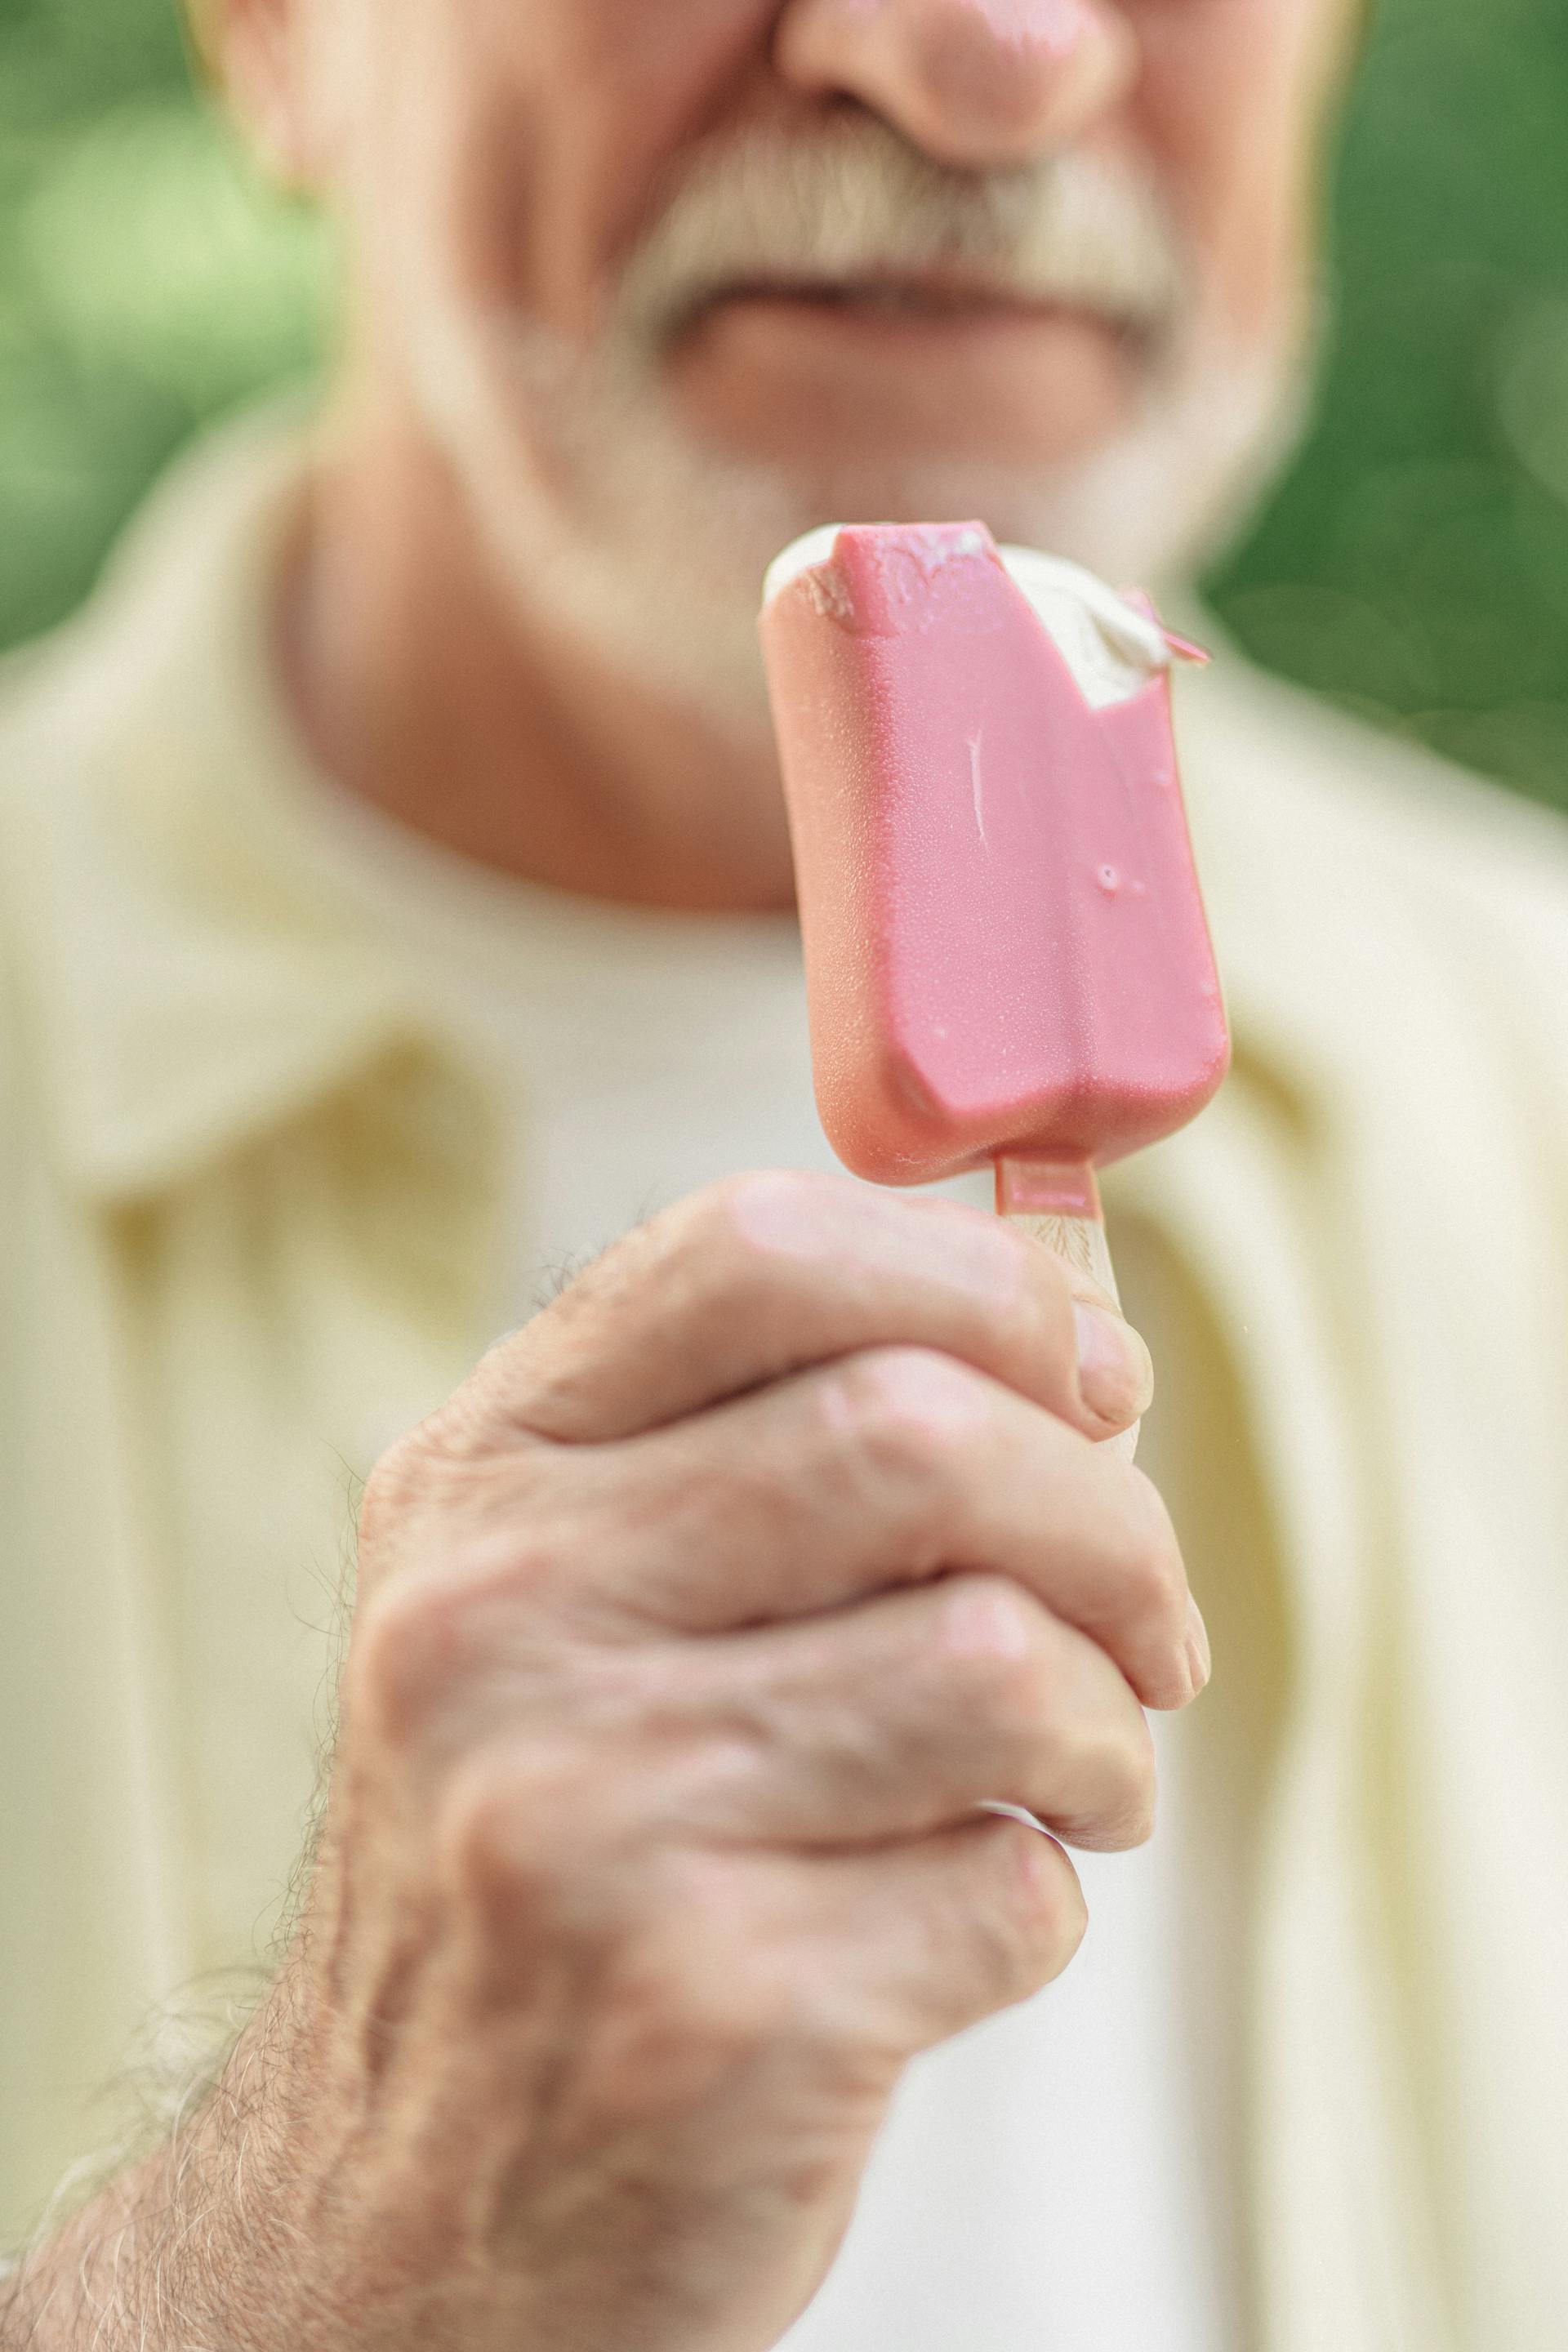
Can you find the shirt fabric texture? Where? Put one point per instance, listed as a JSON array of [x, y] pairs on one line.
[[1053, 2176], [267, 1186]]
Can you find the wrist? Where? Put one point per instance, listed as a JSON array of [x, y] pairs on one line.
[[198, 2242]]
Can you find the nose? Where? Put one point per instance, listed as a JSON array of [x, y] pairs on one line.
[[979, 84]]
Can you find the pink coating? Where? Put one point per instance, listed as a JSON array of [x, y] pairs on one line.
[[1006, 947]]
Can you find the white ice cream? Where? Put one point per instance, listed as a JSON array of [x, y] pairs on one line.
[[1111, 647]]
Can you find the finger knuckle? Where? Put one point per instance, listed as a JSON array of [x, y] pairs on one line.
[[747, 1223], [1038, 1918], [496, 1838], [1051, 1913], [909, 1414], [751, 1203], [395, 1490], [439, 1650], [411, 1643], [728, 1249], [993, 1634], [439, 1477]]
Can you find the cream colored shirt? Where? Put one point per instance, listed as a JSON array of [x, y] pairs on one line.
[[263, 1193], [1043, 2180]]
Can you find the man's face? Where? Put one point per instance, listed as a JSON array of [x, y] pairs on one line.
[[668, 281]]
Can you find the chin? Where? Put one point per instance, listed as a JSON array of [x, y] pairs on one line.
[[609, 517]]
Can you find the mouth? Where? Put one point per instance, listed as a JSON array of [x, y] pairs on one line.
[[944, 302], [926, 364]]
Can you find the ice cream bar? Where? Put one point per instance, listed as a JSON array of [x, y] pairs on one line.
[[1006, 949]]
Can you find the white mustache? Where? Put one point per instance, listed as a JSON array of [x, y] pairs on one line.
[[858, 206]]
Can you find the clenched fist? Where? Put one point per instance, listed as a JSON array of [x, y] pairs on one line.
[[692, 1633]]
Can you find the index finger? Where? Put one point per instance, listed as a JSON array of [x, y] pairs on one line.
[[764, 1275]]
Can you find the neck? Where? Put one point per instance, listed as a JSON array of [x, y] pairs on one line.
[[421, 687]]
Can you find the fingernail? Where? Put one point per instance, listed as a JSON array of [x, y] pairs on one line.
[[1115, 1374], [1198, 1654]]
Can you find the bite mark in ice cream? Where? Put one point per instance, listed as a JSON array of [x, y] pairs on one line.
[[1006, 947]]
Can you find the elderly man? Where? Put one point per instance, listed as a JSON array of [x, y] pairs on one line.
[[399, 909]]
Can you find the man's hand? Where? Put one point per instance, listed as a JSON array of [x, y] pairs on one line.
[[690, 1634]]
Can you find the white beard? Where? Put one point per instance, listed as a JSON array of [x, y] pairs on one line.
[[609, 518]]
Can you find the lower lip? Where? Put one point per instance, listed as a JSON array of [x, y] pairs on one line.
[[792, 377], [956, 326]]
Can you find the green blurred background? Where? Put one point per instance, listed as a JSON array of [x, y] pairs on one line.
[[1414, 565]]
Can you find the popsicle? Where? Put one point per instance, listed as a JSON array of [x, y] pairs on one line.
[[1006, 954]]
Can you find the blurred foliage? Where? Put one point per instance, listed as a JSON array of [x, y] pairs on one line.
[[147, 282], [1414, 564]]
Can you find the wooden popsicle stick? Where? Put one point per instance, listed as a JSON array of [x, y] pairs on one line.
[[1081, 1240], [1058, 1204]]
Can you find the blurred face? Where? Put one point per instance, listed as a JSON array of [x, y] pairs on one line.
[[668, 281]]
